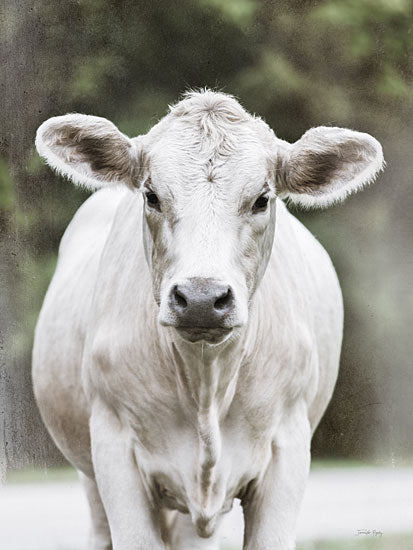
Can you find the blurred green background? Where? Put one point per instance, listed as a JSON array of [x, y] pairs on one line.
[[298, 64]]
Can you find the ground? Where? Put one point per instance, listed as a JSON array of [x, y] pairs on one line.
[[358, 508]]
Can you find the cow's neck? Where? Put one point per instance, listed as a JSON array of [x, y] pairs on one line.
[[206, 380], [206, 375]]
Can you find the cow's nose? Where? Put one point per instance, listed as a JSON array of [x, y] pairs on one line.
[[203, 303]]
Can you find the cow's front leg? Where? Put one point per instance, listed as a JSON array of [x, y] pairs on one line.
[[134, 522], [272, 505]]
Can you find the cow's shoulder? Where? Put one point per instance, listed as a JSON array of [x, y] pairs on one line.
[[92, 220]]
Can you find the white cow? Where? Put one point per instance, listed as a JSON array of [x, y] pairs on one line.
[[183, 356]]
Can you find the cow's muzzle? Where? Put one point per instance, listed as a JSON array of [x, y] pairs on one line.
[[201, 309]]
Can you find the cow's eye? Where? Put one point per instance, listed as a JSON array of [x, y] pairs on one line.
[[260, 204], [152, 200]]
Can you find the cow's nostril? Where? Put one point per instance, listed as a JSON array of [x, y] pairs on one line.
[[202, 303], [179, 298], [224, 301]]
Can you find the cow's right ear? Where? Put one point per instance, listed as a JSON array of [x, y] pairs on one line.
[[89, 150]]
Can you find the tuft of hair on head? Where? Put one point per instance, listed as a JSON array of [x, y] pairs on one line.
[[213, 113], [205, 102]]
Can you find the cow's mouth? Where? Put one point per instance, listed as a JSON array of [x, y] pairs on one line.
[[209, 335]]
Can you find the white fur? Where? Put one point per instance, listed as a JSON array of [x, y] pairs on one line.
[[153, 421]]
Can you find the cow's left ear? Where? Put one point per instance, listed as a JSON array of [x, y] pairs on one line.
[[89, 150], [326, 165]]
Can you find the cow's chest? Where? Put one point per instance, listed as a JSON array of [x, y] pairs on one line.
[[199, 465], [202, 428]]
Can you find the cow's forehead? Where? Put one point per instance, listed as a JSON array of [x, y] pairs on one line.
[[208, 138], [183, 157]]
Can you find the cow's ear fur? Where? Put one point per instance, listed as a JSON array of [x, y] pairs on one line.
[[326, 165], [89, 150]]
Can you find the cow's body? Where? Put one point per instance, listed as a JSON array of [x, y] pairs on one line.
[[165, 424]]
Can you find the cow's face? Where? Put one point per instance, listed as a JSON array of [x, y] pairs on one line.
[[208, 224], [209, 174]]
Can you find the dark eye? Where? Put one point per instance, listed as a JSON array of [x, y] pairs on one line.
[[152, 200], [260, 204]]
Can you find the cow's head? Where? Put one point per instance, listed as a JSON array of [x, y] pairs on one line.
[[209, 174]]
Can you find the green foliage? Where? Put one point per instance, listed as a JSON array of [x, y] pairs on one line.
[[7, 198], [240, 12]]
